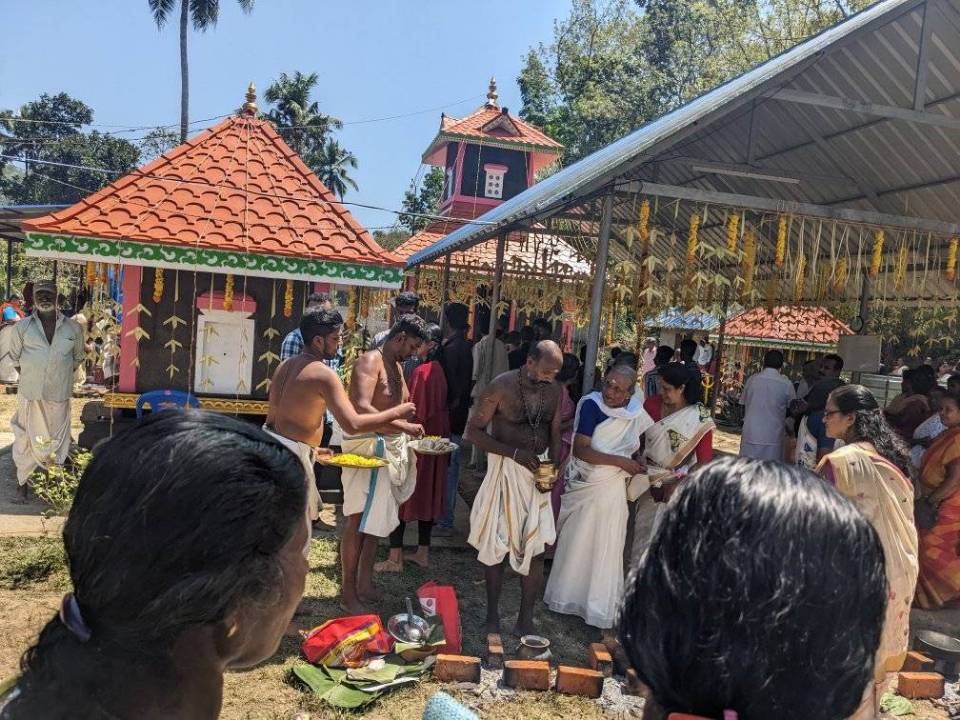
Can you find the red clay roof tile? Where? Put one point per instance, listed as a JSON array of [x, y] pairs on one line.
[[788, 323], [236, 186]]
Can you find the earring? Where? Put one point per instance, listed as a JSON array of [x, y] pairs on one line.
[[233, 630]]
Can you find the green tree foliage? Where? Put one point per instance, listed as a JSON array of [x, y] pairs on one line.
[[615, 64], [204, 14], [156, 142], [424, 200], [333, 163], [391, 239], [50, 130]]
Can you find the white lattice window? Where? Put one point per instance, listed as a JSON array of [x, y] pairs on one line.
[[493, 187]]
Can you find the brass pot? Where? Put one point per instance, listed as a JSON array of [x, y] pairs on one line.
[[546, 477]]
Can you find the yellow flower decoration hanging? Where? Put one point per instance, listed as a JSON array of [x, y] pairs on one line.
[[840, 279], [643, 225], [733, 224], [781, 251], [951, 271], [91, 273], [288, 299], [901, 275], [692, 238], [799, 281], [157, 284], [878, 239], [748, 263], [103, 274], [228, 293]]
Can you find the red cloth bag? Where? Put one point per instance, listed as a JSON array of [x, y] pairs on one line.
[[441, 600], [347, 641]]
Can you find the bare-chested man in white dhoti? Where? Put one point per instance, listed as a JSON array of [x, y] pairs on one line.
[[372, 498], [303, 388], [511, 520]]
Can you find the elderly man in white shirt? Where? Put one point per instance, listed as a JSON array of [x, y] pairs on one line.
[[49, 348], [766, 397]]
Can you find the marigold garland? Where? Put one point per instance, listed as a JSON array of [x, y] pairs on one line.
[[692, 238], [643, 226], [798, 284], [878, 239], [781, 251], [228, 293], [733, 223], [951, 271], [840, 279], [91, 273], [157, 284], [901, 274], [748, 263], [288, 299], [103, 274]]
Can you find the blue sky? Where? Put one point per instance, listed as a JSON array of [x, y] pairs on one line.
[[375, 58]]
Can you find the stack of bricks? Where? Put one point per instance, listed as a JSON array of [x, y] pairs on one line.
[[917, 679]]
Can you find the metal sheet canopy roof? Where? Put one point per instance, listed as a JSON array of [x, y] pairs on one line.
[[860, 123]]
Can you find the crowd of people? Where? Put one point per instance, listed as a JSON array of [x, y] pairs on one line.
[[616, 485]]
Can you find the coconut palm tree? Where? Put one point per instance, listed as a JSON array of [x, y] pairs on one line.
[[204, 14], [295, 117], [330, 163]]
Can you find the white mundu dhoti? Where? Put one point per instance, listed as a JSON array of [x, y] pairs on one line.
[[41, 435], [377, 494], [305, 452], [510, 516], [587, 574]]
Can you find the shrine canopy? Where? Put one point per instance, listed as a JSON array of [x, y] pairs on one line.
[[234, 199], [787, 327]]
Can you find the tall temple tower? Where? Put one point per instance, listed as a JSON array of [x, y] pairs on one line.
[[488, 157]]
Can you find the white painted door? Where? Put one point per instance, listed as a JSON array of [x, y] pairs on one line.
[[224, 360]]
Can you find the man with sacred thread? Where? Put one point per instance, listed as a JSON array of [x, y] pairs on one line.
[[512, 520], [304, 387], [372, 496]]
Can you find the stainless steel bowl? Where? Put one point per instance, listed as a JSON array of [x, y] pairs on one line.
[[400, 625]]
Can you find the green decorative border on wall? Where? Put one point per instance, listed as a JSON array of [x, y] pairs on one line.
[[72, 247]]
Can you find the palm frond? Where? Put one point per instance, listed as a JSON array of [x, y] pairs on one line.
[[161, 10]]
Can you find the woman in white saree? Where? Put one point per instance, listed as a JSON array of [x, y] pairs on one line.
[[680, 439], [587, 574]]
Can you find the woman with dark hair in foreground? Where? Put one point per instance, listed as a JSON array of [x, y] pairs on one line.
[[761, 596], [187, 551], [873, 470]]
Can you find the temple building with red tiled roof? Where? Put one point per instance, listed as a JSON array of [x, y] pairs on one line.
[[787, 327], [220, 241]]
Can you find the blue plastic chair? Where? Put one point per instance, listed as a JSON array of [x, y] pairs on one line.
[[166, 400]]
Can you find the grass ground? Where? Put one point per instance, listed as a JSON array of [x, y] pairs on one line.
[[33, 577]]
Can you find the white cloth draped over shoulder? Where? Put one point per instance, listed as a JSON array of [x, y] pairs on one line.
[[587, 575]]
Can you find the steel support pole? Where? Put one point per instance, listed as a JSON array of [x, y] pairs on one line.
[[596, 297], [715, 390], [494, 302], [445, 294]]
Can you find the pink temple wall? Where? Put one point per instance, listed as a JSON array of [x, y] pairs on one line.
[[131, 320]]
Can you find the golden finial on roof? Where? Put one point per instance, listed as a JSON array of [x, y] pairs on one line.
[[492, 94], [250, 106]]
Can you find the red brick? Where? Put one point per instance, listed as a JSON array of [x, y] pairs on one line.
[[457, 668], [632, 685], [917, 662], [579, 681], [600, 659], [494, 651], [916, 685], [527, 674]]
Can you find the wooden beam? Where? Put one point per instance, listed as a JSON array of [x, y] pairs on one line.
[[865, 108], [923, 59], [751, 202]]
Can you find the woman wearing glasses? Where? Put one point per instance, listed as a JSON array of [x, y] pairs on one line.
[[873, 470]]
